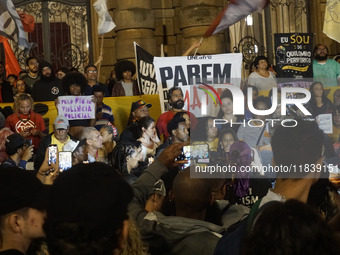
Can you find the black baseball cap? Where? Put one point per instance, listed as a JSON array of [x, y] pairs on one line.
[[14, 142], [139, 104], [19, 189]]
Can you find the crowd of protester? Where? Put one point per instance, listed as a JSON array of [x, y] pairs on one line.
[[130, 191]]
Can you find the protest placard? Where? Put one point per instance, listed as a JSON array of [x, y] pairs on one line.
[[76, 107]]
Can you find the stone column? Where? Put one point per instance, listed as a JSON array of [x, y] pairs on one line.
[[194, 18], [135, 22]]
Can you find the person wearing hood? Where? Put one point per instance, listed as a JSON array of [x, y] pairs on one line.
[[48, 88], [176, 100]]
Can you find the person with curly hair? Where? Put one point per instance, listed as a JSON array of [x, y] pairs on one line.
[[262, 78], [74, 84], [126, 86], [318, 103], [25, 121]]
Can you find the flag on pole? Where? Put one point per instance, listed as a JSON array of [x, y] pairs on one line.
[[11, 26], [331, 25], [235, 11], [105, 23], [11, 63]]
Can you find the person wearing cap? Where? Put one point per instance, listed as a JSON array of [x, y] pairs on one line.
[[157, 195], [176, 100], [139, 109], [18, 150], [49, 87], [22, 210], [59, 136], [126, 86], [87, 211]]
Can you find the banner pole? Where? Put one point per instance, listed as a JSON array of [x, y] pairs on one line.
[[198, 47], [100, 56]]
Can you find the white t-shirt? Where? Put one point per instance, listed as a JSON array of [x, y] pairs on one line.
[[128, 88], [262, 83]]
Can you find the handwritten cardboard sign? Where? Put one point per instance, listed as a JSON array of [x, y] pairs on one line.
[[76, 107]]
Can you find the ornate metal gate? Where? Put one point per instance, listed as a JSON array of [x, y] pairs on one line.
[[254, 35], [61, 34]]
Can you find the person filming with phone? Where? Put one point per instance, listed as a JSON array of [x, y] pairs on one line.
[[59, 136], [19, 151]]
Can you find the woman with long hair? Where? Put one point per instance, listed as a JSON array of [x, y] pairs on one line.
[[125, 157], [21, 87], [319, 103], [25, 121], [206, 133], [226, 112], [148, 137]]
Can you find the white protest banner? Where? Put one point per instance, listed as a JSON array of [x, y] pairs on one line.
[[194, 70], [76, 107], [325, 122]]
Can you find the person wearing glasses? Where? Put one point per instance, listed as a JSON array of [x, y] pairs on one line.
[[32, 66], [326, 71], [91, 74]]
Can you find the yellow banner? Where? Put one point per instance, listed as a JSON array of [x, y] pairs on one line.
[[120, 106], [296, 68]]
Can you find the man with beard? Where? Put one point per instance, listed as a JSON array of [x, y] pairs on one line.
[[326, 71], [49, 87], [175, 97], [6, 92], [32, 66]]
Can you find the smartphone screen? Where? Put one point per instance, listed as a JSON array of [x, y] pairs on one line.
[[52, 154], [65, 160], [200, 153], [186, 155]]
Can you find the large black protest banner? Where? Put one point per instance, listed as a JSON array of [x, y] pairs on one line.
[[293, 54], [146, 76]]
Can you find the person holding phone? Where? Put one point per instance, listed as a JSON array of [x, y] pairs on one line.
[[25, 121], [60, 136], [18, 150]]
